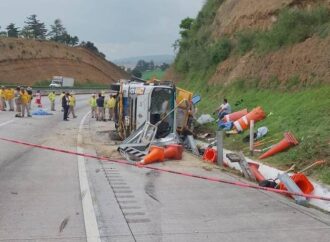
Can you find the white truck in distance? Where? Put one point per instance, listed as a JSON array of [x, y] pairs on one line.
[[62, 81]]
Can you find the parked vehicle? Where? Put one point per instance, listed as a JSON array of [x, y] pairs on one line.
[[61, 81]]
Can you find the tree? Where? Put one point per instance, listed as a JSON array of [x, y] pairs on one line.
[[12, 31], [3, 33], [164, 66], [34, 28], [185, 25], [57, 31], [59, 34], [137, 73], [26, 33], [90, 46]]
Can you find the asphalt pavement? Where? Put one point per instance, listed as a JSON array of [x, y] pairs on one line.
[[50, 196]]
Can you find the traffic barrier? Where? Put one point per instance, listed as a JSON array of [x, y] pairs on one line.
[[235, 116], [243, 123], [156, 154], [159, 169], [288, 141], [210, 155], [254, 169], [302, 182], [173, 152]]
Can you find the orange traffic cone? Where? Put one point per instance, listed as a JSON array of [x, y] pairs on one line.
[[243, 123], [210, 155], [235, 116], [302, 182], [173, 152], [155, 154], [254, 168], [288, 141]]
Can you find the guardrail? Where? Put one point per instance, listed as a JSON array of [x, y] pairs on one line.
[[76, 90]]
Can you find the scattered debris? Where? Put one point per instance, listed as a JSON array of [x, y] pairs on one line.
[[64, 224], [292, 187], [192, 144], [205, 119], [41, 112]]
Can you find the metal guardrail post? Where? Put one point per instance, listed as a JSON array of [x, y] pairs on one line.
[[251, 137], [220, 147]]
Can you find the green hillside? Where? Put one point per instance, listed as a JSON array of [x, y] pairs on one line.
[[297, 106]]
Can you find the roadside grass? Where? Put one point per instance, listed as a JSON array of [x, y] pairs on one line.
[[293, 26], [158, 74], [306, 113]]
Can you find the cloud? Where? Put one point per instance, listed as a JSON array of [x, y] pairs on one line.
[[119, 28]]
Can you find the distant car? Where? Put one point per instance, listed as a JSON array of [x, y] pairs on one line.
[[55, 85]]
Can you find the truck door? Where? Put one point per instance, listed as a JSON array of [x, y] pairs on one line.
[[142, 109]]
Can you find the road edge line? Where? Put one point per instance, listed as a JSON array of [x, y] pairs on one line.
[[7, 122], [91, 226]]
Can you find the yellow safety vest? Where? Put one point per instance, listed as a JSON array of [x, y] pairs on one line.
[[25, 98], [92, 102], [52, 97], [111, 103], [72, 101]]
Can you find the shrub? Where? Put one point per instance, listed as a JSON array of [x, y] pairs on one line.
[[220, 51], [293, 26], [245, 41]]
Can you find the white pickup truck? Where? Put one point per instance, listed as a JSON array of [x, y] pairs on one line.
[[61, 81]]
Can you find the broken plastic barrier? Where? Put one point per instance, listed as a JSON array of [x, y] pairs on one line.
[[41, 112], [205, 118]]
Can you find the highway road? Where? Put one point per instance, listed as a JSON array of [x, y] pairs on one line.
[[52, 196]]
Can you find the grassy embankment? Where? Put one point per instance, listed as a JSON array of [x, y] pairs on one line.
[[305, 113], [303, 110], [158, 74]]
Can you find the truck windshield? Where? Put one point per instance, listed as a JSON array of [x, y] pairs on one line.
[[162, 102]]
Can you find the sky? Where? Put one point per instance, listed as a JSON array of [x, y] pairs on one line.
[[119, 28]]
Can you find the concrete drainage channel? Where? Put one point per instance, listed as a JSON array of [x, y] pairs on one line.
[[124, 195]]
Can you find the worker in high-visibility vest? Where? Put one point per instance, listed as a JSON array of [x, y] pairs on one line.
[[111, 103], [25, 100], [9, 96], [72, 104], [2, 99], [52, 97], [18, 101], [93, 105]]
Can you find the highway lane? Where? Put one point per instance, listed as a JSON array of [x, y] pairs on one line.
[[40, 196], [40, 189]]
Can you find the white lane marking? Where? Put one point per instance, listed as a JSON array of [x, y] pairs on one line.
[[5, 123], [91, 227]]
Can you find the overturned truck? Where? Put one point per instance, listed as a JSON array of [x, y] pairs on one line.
[[146, 114]]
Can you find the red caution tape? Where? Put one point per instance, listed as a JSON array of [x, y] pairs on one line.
[[219, 180]]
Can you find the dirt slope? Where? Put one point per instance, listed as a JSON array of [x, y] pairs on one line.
[[28, 61], [236, 15], [309, 61]]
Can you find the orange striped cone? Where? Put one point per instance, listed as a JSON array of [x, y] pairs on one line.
[[243, 123], [173, 152], [235, 116], [156, 154], [288, 141]]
